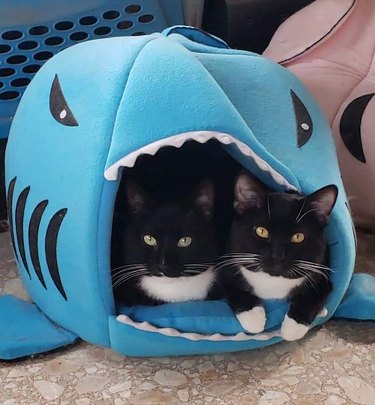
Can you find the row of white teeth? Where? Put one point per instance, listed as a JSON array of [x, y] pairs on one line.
[[199, 136]]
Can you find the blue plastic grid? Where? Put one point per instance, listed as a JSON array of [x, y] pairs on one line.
[[30, 35]]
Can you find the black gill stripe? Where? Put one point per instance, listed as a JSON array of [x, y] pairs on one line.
[[20, 214], [10, 212], [51, 249], [350, 126], [33, 239]]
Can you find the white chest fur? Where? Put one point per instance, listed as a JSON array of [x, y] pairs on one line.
[[270, 287], [178, 289]]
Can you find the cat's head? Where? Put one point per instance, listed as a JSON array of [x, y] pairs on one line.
[[281, 230], [171, 239]]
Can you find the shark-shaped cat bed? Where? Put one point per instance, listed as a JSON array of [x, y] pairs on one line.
[[86, 116]]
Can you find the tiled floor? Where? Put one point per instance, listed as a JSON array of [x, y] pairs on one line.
[[332, 365]]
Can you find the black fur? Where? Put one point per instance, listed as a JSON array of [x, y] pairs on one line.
[[167, 223], [256, 206], [167, 177]]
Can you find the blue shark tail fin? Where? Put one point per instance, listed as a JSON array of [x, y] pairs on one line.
[[26, 331], [359, 300]]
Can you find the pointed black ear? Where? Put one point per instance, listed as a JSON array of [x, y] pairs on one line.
[[249, 192], [203, 199], [323, 201], [135, 196]]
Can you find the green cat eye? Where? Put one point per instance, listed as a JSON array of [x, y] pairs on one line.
[[150, 240], [184, 242]]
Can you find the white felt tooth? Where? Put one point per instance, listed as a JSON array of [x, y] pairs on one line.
[[129, 161], [111, 174], [255, 158], [202, 138], [151, 150], [225, 139], [179, 142], [245, 150], [323, 313], [122, 318], [199, 136], [263, 166], [278, 178]]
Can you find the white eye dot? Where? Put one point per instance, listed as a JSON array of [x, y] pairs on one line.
[[305, 126], [63, 114]]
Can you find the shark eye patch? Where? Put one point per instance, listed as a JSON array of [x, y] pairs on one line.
[[59, 107], [303, 120], [350, 126]]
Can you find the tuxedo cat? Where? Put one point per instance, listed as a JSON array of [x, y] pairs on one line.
[[277, 250], [168, 249]]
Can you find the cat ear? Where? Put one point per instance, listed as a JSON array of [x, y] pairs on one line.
[[323, 201], [135, 196], [204, 199], [249, 192]]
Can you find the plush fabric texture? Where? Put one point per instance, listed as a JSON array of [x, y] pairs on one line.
[[330, 46], [25, 330], [359, 301], [117, 96], [208, 317]]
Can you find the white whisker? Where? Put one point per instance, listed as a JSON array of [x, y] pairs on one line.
[[300, 211], [123, 281], [127, 265], [127, 277], [122, 273], [307, 270], [235, 263], [320, 266], [307, 212], [241, 254]]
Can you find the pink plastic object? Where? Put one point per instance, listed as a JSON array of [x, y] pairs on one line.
[[330, 46]]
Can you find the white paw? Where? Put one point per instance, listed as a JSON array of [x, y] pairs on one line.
[[291, 330], [254, 320]]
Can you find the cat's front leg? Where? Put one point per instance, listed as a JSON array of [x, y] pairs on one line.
[[304, 307], [248, 309]]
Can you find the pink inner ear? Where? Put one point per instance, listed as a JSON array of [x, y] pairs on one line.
[[308, 28]]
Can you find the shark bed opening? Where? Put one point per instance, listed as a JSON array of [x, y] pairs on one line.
[[167, 170]]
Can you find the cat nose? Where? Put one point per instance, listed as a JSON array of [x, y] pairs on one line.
[[162, 268], [167, 271], [278, 254]]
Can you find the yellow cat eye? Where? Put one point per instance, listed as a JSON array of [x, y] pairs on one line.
[[262, 232], [184, 242], [150, 240], [297, 237]]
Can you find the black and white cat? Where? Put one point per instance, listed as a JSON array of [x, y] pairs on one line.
[[277, 250], [168, 248]]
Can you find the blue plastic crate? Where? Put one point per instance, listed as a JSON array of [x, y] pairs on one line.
[[32, 32]]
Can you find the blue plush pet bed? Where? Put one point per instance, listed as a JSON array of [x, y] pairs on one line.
[[94, 108]]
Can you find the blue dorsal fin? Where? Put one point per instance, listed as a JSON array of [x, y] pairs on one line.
[[359, 300], [197, 35], [25, 330]]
